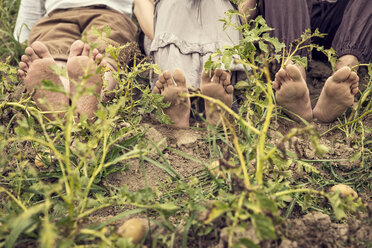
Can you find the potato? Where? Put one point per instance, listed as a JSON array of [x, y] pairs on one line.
[[344, 190], [38, 162], [134, 228]]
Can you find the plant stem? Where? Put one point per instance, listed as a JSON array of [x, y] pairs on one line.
[[262, 135]]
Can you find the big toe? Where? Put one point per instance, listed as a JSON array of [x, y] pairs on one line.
[[76, 48], [206, 76], [40, 50], [293, 72], [219, 76], [342, 74], [179, 77]]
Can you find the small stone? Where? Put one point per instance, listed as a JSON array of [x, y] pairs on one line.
[[186, 137]]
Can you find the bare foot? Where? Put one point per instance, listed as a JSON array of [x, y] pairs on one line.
[[179, 110], [216, 85], [82, 70], [337, 95], [292, 93], [35, 67]]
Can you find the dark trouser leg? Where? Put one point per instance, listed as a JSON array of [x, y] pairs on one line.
[[354, 35], [348, 25], [289, 18]]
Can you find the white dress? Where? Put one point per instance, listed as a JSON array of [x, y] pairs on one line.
[[187, 33]]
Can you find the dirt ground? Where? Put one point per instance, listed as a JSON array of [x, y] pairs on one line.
[[313, 229]]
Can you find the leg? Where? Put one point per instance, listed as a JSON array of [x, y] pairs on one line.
[[353, 36], [82, 71], [216, 85], [289, 18], [179, 110], [122, 31], [292, 92], [35, 67]]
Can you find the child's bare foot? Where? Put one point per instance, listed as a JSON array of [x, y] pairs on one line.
[[179, 110], [292, 93], [82, 70], [337, 95], [216, 85], [35, 66]]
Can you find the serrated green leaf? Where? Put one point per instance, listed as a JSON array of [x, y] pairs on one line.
[[263, 226], [248, 243], [241, 85]]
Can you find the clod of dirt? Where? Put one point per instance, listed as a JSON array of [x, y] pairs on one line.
[[238, 233], [344, 190], [186, 137], [135, 229], [316, 230], [159, 139]]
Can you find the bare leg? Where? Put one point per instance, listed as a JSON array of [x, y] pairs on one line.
[[179, 110], [292, 92], [248, 8], [337, 95], [216, 85], [82, 69], [347, 60], [35, 67]]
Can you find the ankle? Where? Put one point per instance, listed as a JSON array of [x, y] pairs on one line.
[[347, 60]]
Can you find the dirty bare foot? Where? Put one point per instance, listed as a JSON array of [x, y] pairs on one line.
[[292, 93], [82, 71], [216, 85], [337, 95], [179, 110], [35, 66]]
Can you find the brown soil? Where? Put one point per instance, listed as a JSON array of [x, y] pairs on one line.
[[311, 230]]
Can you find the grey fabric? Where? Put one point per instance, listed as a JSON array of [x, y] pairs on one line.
[[187, 33], [348, 23]]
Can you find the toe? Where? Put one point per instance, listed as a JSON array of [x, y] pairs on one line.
[[86, 50], [219, 76], [40, 49], [281, 76], [31, 54], [354, 91], [21, 73], [229, 89], [293, 72], [95, 53], [353, 78], [207, 76], [168, 80], [76, 48], [179, 77], [156, 90], [158, 85], [276, 85], [23, 66], [342, 74], [25, 59]]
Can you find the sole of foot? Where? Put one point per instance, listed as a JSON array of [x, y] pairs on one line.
[[292, 94], [36, 66], [217, 85], [82, 71], [172, 87], [337, 95]]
